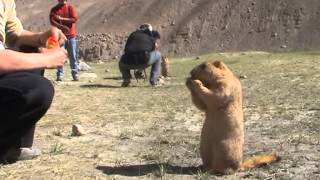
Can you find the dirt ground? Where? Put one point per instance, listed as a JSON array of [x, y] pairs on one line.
[[142, 132]]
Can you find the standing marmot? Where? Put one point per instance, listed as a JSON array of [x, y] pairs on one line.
[[217, 92]]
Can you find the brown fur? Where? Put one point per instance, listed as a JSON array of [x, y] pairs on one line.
[[217, 92], [165, 66], [259, 160]]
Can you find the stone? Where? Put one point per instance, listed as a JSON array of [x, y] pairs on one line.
[[77, 130]]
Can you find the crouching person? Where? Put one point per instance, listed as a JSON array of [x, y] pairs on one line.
[[141, 52], [25, 95]]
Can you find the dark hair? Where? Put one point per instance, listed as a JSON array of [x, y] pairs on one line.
[[145, 26], [156, 34]]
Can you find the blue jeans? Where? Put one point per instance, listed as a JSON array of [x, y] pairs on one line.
[[71, 46], [154, 62]]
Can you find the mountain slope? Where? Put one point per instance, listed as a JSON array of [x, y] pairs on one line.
[[188, 26]]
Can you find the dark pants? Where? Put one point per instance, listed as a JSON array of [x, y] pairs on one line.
[[154, 61], [24, 98]]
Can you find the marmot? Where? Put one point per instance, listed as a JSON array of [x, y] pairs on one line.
[[165, 66], [217, 91]]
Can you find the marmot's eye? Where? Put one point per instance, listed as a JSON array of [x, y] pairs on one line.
[[203, 66]]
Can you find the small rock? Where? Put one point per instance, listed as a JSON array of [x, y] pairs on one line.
[[84, 66], [77, 130], [284, 46], [95, 156], [225, 27], [243, 77]]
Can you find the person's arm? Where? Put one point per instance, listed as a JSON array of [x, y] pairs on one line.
[[54, 22], [126, 48], [73, 16], [38, 39], [157, 44], [12, 24], [156, 36], [17, 61]]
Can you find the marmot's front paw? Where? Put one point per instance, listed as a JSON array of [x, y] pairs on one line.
[[194, 84], [197, 83]]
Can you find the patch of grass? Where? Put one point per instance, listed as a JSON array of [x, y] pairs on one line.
[[56, 149], [161, 173], [56, 132], [203, 176]]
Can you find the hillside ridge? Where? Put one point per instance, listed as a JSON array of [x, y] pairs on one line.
[[188, 27]]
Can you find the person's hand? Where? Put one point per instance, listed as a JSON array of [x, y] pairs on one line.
[[64, 28], [54, 57], [53, 31], [59, 34], [157, 44], [58, 17]]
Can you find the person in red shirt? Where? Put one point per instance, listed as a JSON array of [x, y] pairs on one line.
[[64, 17]]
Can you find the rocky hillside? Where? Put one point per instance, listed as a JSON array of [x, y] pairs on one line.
[[188, 26]]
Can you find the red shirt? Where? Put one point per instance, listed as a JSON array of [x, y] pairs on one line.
[[68, 27]]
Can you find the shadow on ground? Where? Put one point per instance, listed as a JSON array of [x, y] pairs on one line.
[[114, 78], [141, 170], [99, 86]]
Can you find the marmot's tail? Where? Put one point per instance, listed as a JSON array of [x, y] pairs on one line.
[[258, 160]]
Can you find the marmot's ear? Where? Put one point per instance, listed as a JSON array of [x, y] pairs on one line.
[[218, 64], [203, 66]]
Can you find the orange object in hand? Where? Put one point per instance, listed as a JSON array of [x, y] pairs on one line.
[[52, 42]]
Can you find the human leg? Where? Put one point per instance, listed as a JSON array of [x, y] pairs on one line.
[[27, 138], [155, 62], [71, 47], [24, 99], [60, 70], [125, 72], [60, 73]]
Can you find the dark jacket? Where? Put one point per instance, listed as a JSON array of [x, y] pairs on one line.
[[140, 41], [138, 46]]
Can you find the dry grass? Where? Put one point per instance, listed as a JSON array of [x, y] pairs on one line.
[[142, 132]]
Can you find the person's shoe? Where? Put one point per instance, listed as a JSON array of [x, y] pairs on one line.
[[18, 154], [28, 153], [75, 77], [59, 78], [125, 83], [11, 156], [156, 84]]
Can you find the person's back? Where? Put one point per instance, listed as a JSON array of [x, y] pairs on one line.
[[140, 41]]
